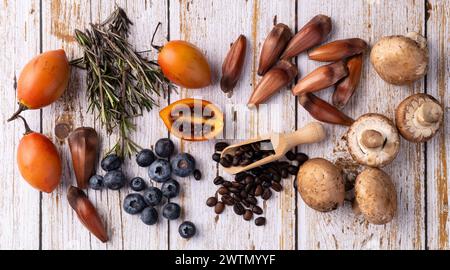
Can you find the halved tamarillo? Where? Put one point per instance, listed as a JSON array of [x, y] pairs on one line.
[[183, 63], [38, 160], [42, 81]]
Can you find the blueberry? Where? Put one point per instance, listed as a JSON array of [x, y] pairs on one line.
[[114, 180], [170, 189], [111, 163], [145, 158], [153, 196], [160, 170], [164, 148], [96, 182], [171, 211], [134, 203], [149, 216], [187, 229], [183, 164], [138, 184]]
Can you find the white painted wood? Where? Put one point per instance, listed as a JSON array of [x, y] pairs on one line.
[[369, 20], [438, 148], [19, 202], [213, 26]]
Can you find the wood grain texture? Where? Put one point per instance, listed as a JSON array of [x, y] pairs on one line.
[[199, 22], [19, 203], [438, 148], [369, 20]]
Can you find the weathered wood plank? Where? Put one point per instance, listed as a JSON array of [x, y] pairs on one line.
[[63, 230], [19, 202], [213, 26], [340, 229], [438, 164]]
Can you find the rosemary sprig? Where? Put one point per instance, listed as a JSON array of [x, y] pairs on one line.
[[121, 83]]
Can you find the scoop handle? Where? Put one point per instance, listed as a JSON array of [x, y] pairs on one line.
[[311, 133]]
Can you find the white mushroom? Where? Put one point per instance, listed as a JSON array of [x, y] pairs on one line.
[[400, 60], [321, 185], [375, 196], [419, 117], [373, 140]]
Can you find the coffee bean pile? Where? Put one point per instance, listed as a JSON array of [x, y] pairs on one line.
[[241, 193]]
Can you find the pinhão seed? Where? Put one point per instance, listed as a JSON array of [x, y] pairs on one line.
[[218, 209], [248, 215], [220, 146], [266, 194], [197, 175], [261, 221], [218, 180], [212, 201], [238, 209], [257, 210]]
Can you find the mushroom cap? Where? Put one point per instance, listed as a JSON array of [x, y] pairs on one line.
[[375, 196], [321, 185], [407, 118], [373, 156], [400, 60]]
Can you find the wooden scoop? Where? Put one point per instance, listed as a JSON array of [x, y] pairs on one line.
[[282, 143]]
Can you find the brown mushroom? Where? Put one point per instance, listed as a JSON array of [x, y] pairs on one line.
[[375, 196], [419, 117], [321, 185], [373, 140], [400, 60]]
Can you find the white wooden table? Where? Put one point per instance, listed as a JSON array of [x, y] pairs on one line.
[[31, 220]]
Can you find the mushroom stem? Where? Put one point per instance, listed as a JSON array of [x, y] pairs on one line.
[[372, 139], [429, 113]]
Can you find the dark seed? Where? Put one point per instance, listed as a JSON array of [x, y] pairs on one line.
[[258, 180], [240, 176], [276, 178], [276, 186], [266, 194], [252, 192], [229, 158], [248, 187], [258, 190], [256, 171], [283, 164], [245, 162], [218, 180], [218, 209], [301, 158], [293, 170], [197, 175], [236, 185], [225, 163], [236, 198], [216, 157], [257, 210], [249, 179], [248, 155], [226, 199], [248, 215], [252, 200], [284, 173], [236, 161], [227, 184], [223, 191], [238, 153], [244, 202], [290, 155], [212, 201], [243, 194], [261, 221], [220, 146], [266, 184], [233, 190], [238, 209]]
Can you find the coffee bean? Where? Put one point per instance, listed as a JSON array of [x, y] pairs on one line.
[[216, 157], [261, 221], [234, 190], [245, 162], [240, 176], [218, 180], [264, 177], [256, 146], [218, 209], [237, 185], [266, 194], [258, 180], [245, 148], [266, 184], [238, 209], [225, 163], [249, 179], [197, 175], [256, 171], [236, 161], [211, 201], [301, 158], [252, 200], [244, 202], [227, 184], [258, 190], [293, 170], [252, 191], [290, 155], [226, 199], [220, 146], [248, 155], [248, 215], [243, 194], [236, 198], [283, 164], [248, 187], [228, 157], [284, 173], [257, 210], [238, 153], [223, 191], [276, 186], [276, 178]]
